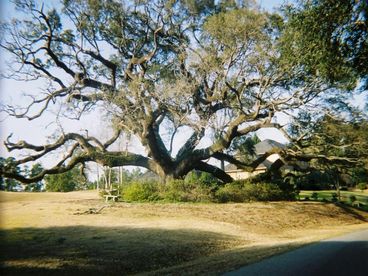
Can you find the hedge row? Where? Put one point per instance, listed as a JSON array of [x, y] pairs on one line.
[[183, 191]]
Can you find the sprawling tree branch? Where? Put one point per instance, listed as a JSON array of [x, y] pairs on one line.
[[217, 172]]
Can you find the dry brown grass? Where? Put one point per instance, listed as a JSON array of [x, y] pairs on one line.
[[51, 233]]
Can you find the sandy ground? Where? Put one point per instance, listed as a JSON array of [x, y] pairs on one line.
[[60, 233]]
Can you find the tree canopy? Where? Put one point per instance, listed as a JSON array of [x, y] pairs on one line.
[[214, 69], [329, 38], [65, 182]]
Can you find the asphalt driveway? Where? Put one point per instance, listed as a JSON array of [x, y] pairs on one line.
[[344, 255]]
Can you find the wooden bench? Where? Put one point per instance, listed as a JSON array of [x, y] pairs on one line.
[[113, 195]]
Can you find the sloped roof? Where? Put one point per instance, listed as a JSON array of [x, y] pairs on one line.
[[260, 148], [231, 167], [264, 165], [267, 145]]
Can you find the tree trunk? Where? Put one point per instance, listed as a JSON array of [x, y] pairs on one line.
[[338, 188]]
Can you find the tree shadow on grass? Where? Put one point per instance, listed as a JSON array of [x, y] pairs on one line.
[[83, 250], [351, 211]]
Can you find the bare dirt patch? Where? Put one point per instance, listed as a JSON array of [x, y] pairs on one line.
[[57, 233]]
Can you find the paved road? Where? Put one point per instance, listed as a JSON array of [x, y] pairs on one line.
[[344, 255]]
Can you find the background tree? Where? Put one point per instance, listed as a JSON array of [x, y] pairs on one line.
[[329, 38], [340, 147], [8, 184], [65, 182], [37, 186], [211, 69]]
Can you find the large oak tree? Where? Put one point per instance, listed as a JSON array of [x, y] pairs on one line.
[[211, 68]]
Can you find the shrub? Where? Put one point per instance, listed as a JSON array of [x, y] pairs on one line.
[[200, 189], [362, 186], [314, 196], [247, 191], [201, 179], [233, 192], [186, 191], [264, 192], [141, 191], [352, 198], [363, 206], [334, 197], [175, 190]]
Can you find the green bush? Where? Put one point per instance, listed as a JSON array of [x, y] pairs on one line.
[[186, 191], [352, 198], [264, 192], [141, 191], [201, 179], [172, 191], [233, 192], [203, 189], [246, 191], [176, 191], [314, 196], [362, 186], [334, 197]]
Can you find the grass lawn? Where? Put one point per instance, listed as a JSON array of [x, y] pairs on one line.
[[57, 234], [360, 197]]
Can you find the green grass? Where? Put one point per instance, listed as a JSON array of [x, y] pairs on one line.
[[327, 195]]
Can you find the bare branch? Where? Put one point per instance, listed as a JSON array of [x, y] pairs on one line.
[[112, 139]]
